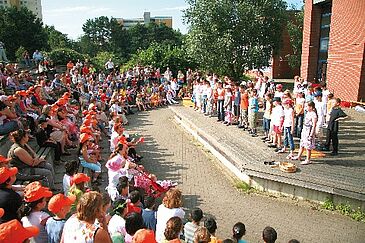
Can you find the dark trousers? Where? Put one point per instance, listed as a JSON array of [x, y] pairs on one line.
[[220, 110], [299, 125], [332, 136], [57, 148]]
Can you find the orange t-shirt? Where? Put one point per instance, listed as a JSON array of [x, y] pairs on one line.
[[244, 101]]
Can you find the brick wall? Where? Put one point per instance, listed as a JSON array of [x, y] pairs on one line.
[[280, 64], [345, 75], [310, 46]]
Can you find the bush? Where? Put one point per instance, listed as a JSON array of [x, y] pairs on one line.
[[102, 57], [61, 56], [19, 54]]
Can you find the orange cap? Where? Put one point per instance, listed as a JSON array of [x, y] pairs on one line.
[[85, 129], [84, 137], [35, 191], [4, 159], [144, 236], [80, 177], [122, 139], [92, 112], [21, 92], [61, 102], [59, 201], [6, 173], [85, 112], [12, 97], [88, 122], [13, 231], [1, 212]]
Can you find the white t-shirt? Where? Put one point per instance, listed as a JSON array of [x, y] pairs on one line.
[[288, 115], [163, 215], [276, 115], [109, 65], [35, 219], [66, 183], [116, 225]]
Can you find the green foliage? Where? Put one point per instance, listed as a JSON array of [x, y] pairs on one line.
[[243, 186], [328, 204], [21, 28], [19, 54], [229, 36], [102, 57], [61, 56], [345, 209], [295, 30], [57, 39], [162, 55]]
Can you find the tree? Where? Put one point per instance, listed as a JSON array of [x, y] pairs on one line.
[[102, 57], [57, 39], [295, 30], [20, 27], [228, 36], [61, 56]]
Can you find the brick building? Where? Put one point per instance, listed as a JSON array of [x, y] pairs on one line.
[[334, 46]]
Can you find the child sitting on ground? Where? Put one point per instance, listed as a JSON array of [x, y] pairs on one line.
[[211, 226], [196, 216], [35, 200], [59, 205], [77, 188], [239, 230], [149, 213], [71, 169]]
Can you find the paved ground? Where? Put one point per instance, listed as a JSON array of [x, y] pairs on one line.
[[172, 154]]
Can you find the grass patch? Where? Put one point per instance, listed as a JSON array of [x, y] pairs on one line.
[[344, 209], [243, 186]]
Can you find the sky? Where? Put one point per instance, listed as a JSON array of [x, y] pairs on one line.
[[68, 16]]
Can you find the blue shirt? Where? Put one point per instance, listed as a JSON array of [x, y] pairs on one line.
[[253, 104], [54, 228], [149, 219]]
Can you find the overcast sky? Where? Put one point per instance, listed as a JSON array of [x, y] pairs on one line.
[[68, 16]]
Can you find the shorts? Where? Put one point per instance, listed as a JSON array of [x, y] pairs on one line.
[[92, 166], [277, 130]]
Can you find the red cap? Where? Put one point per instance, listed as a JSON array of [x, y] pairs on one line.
[[1, 212], [144, 236], [288, 102], [80, 177], [84, 137], [6, 173], [35, 191], [279, 86], [85, 112], [59, 201], [13, 231], [4, 159]]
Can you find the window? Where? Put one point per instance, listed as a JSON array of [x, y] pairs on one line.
[[323, 45]]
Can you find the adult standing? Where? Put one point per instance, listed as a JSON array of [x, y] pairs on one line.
[[109, 66], [3, 57], [168, 74], [37, 57]]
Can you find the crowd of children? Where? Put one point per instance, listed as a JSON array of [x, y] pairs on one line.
[[307, 111], [81, 107]]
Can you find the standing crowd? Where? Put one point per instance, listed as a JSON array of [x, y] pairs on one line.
[[309, 111]]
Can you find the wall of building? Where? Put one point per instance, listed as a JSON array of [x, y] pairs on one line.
[[310, 46], [346, 65]]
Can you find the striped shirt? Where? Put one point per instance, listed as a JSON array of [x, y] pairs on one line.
[[189, 230]]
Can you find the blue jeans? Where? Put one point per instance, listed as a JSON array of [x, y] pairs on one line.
[[220, 110], [288, 138], [8, 127], [92, 166]]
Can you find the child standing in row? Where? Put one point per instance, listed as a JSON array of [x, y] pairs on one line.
[[288, 128], [252, 113]]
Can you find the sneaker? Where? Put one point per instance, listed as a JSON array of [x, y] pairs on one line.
[[254, 135], [263, 138], [271, 145], [278, 149], [281, 151], [295, 158], [306, 162]]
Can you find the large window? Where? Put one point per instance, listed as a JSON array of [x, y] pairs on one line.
[[323, 42]]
